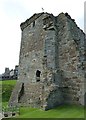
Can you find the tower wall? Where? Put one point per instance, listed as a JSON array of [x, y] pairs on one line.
[[71, 48], [31, 52]]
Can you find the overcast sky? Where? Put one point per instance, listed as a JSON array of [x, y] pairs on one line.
[[13, 12]]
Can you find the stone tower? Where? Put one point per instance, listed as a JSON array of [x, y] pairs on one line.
[[52, 63]]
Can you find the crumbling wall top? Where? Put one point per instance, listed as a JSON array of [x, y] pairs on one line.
[[30, 20], [37, 15]]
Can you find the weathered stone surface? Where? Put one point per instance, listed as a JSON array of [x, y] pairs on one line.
[[52, 64]]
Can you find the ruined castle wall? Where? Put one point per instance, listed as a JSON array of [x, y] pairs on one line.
[[31, 50], [70, 39], [79, 38]]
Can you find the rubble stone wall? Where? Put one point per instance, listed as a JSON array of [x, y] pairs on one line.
[[71, 47]]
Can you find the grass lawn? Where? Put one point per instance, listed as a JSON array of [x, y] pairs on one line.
[[65, 111], [8, 82], [7, 87]]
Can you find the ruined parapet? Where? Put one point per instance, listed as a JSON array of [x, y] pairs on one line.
[[52, 57]]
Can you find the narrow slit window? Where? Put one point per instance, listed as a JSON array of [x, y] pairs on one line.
[[33, 23]]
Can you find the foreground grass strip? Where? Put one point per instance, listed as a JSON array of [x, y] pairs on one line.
[[59, 112]]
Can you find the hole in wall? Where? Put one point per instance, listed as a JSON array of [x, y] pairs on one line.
[[33, 23], [38, 72]]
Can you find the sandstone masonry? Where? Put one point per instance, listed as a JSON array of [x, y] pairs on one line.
[[52, 64]]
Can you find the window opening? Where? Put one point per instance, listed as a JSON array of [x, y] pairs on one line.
[[38, 75], [33, 23]]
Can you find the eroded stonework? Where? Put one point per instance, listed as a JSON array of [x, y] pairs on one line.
[[52, 63]]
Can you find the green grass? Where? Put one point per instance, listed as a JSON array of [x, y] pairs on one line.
[[7, 87], [8, 82], [65, 111]]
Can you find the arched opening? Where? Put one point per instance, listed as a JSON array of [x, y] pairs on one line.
[[38, 75]]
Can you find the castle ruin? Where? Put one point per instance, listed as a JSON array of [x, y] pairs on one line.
[[52, 63]]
